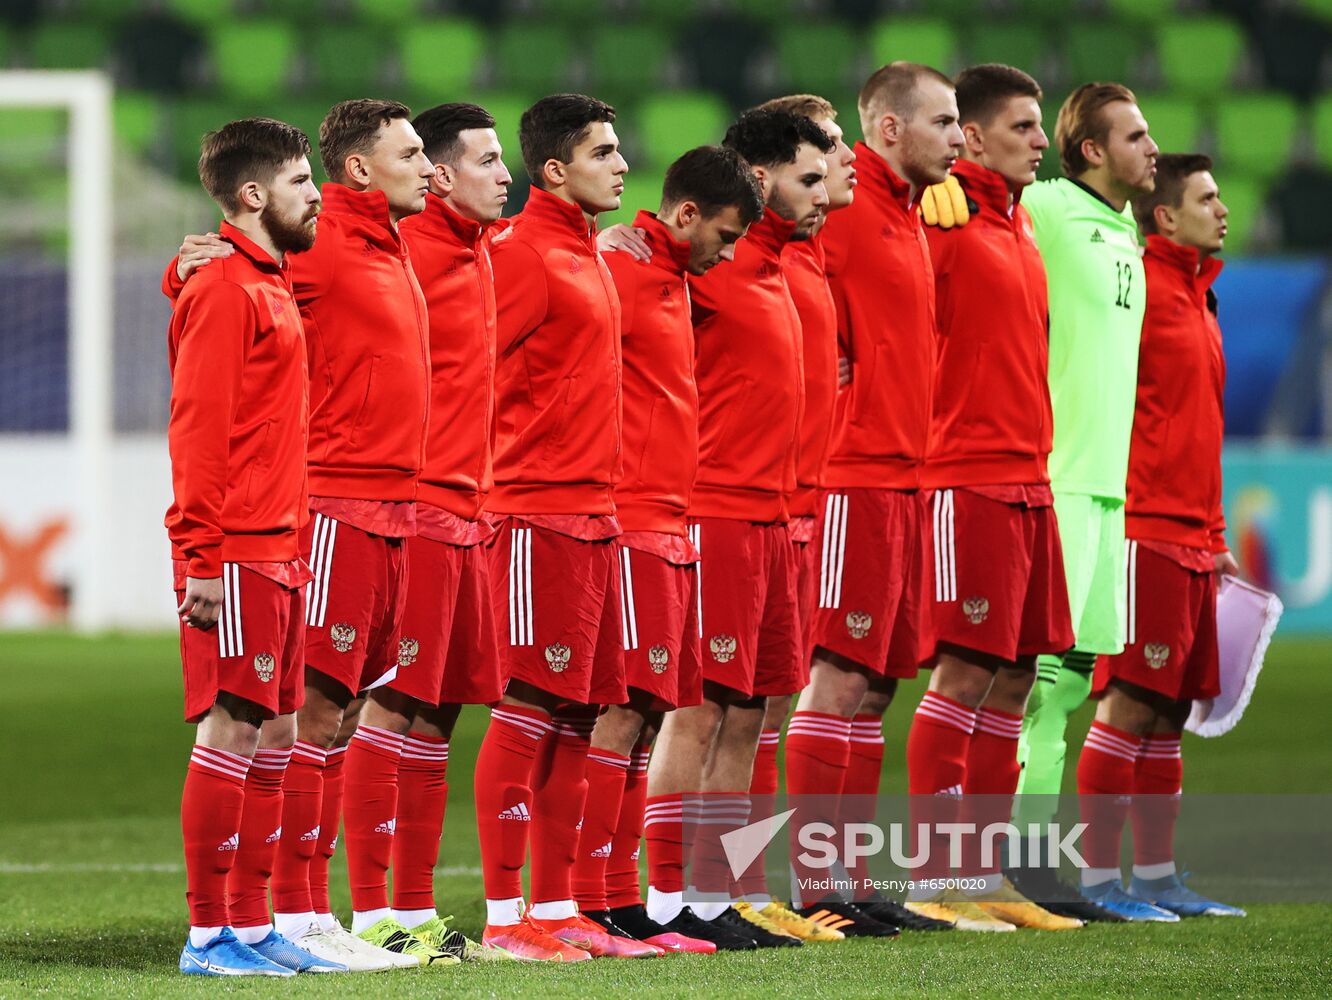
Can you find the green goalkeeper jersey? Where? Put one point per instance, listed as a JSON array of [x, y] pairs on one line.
[[1093, 265]]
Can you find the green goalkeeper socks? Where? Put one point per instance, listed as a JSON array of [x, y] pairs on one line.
[[1063, 684]]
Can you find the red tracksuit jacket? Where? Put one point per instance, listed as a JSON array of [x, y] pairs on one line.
[[750, 370], [992, 421], [804, 267], [239, 414], [452, 263], [1174, 475], [879, 268], [660, 395], [557, 379]]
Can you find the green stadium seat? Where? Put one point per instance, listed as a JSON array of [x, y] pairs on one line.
[[1044, 10], [507, 110], [6, 46], [390, 13], [441, 57], [347, 58], [1101, 50], [534, 56], [568, 12], [191, 119], [1321, 9], [927, 40], [1255, 133], [253, 58], [628, 59], [33, 136], [773, 12], [1244, 197], [1142, 11], [204, 13], [1175, 122], [1304, 201], [642, 190], [68, 45], [1199, 55], [1322, 129], [1022, 44], [136, 119], [671, 12], [671, 123], [817, 57]]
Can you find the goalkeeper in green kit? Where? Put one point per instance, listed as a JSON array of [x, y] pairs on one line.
[[1089, 243]]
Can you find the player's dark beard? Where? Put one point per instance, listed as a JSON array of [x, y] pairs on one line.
[[289, 236]]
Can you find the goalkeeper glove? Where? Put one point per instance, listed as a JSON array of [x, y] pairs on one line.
[[945, 205]]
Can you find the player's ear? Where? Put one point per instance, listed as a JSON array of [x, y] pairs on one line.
[[1092, 152], [251, 196], [764, 177], [890, 128], [444, 177], [1164, 217], [553, 173], [355, 169], [687, 214], [971, 134]]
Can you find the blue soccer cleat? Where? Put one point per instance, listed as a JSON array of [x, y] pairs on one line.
[[1111, 896], [280, 951], [1170, 893], [226, 956]]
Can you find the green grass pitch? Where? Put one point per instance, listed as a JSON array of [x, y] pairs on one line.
[[92, 752]]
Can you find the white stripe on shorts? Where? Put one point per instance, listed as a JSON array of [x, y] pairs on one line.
[[321, 564], [1131, 565], [230, 640], [834, 551], [945, 548], [520, 587], [628, 613], [696, 536]]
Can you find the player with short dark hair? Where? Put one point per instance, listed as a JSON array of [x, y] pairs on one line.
[[709, 200], [751, 390], [1177, 551], [237, 356]]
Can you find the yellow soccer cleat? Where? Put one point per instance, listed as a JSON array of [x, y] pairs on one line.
[[945, 205], [392, 936], [1008, 904], [760, 919], [797, 926], [963, 914]]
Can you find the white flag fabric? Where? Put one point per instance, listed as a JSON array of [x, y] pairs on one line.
[[1246, 617]]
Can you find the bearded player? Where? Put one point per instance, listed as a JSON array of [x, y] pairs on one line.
[[1176, 553]]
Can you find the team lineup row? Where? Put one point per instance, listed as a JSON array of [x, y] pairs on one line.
[[831, 415]]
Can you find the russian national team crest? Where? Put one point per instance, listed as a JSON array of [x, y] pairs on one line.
[[342, 636], [858, 624], [264, 666], [723, 648], [659, 658], [1157, 654], [408, 650], [977, 609], [557, 657]]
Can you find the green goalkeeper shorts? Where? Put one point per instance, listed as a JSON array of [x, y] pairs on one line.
[[1091, 532]]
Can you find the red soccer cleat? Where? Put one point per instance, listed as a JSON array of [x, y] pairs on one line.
[[527, 942], [672, 942], [593, 938]]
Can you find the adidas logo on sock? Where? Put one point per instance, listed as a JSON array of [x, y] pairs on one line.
[[953, 793], [274, 837], [604, 851], [312, 835], [634, 856], [579, 827], [517, 812], [1096, 236], [387, 827], [232, 843]]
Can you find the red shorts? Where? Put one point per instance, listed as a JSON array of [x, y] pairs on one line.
[[874, 559], [255, 651], [660, 628], [803, 535], [1171, 647], [749, 617], [354, 604], [556, 602], [998, 576], [448, 649]]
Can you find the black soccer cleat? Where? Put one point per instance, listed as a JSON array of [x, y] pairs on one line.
[[604, 920], [848, 918], [886, 911], [688, 923], [1044, 887], [633, 921], [732, 921]]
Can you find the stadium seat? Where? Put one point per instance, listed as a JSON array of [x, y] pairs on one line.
[[1199, 55], [32, 135], [1101, 50], [1321, 9], [1304, 202], [642, 190], [534, 56], [252, 59], [1175, 122], [136, 119], [1142, 11], [673, 122], [773, 12], [916, 39], [816, 57], [160, 53], [1021, 44], [6, 46], [204, 13], [1045, 10], [671, 12], [390, 13], [1255, 133], [68, 45], [441, 57], [347, 58], [1293, 47], [507, 110], [1322, 129], [628, 59], [1244, 197]]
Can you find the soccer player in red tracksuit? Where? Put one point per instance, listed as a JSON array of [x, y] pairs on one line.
[[872, 623], [709, 199], [1177, 550], [368, 354], [999, 592], [556, 567], [237, 435], [751, 390]]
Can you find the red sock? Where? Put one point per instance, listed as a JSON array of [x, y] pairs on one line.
[[330, 823], [664, 828], [559, 795], [762, 804], [719, 813], [990, 782], [860, 787], [936, 754], [210, 821], [370, 813], [1158, 779], [302, 802], [606, 773], [261, 827], [504, 795], [817, 748], [622, 888], [423, 791], [1105, 783]]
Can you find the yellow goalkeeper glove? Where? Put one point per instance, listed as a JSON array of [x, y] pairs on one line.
[[945, 205]]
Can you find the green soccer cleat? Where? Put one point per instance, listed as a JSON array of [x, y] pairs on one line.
[[392, 936], [437, 933]]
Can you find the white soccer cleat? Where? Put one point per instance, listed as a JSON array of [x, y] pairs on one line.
[[337, 944]]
